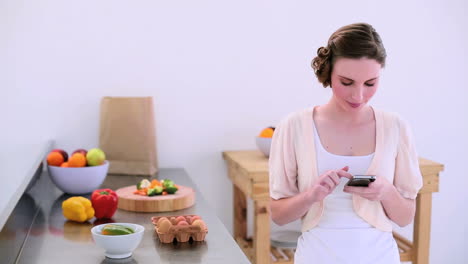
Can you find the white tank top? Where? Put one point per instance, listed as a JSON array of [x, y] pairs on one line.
[[342, 236], [338, 206]]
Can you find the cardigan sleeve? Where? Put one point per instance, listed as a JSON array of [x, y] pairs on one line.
[[282, 162], [408, 179]]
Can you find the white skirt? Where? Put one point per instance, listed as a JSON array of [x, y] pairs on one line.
[[342, 246]]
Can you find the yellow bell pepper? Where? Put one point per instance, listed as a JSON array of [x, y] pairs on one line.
[[77, 209]]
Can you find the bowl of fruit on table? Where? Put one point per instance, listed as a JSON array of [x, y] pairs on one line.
[[81, 173]]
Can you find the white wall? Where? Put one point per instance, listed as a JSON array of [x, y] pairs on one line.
[[220, 71]]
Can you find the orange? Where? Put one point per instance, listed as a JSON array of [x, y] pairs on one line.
[[54, 159], [64, 165], [77, 160], [267, 132]]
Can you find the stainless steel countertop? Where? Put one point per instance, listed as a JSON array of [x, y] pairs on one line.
[[53, 239]]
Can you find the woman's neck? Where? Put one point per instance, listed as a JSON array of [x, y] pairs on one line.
[[336, 112]]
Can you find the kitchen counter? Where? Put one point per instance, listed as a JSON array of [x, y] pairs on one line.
[[53, 239]]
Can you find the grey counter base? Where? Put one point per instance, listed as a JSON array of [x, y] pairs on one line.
[[37, 232]]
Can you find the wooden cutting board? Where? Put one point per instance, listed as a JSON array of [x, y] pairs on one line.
[[183, 198]]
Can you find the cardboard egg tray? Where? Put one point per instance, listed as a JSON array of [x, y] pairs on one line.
[[180, 233]]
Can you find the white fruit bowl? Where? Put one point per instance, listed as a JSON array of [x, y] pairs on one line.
[[120, 246], [263, 144], [78, 180]]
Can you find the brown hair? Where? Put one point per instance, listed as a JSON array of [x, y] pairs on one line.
[[355, 41]]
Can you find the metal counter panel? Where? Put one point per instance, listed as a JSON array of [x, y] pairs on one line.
[[53, 239]]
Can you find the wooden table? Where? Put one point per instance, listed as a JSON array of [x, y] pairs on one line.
[[248, 170]]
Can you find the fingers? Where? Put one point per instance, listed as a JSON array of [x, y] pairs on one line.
[[345, 174], [358, 190], [334, 177], [364, 192], [330, 179], [328, 182]]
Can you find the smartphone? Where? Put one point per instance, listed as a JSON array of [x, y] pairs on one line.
[[361, 180]]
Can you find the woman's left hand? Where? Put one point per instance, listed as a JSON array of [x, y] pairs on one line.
[[376, 191]]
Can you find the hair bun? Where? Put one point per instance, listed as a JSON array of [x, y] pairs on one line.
[[321, 65], [323, 52]]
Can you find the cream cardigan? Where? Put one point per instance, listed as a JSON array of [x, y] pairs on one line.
[[293, 168]]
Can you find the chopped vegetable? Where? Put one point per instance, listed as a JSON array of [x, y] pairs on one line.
[[167, 183], [143, 184], [155, 191], [171, 189], [115, 230], [155, 187], [155, 183]]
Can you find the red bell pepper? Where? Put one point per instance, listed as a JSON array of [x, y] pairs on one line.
[[104, 202]]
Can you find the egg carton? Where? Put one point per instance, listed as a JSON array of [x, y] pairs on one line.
[[180, 233]]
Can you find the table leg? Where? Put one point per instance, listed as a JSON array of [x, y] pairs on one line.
[[422, 228], [240, 214], [261, 238]]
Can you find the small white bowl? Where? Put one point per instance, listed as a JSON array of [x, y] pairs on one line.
[[263, 144], [120, 246], [78, 180]]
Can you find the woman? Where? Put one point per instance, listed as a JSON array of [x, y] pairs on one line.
[[316, 151]]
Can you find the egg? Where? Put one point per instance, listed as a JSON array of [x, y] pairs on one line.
[[173, 220], [200, 223], [164, 226], [180, 218], [160, 220], [195, 217], [182, 223]]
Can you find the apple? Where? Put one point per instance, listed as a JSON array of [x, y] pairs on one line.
[[95, 157], [82, 151], [63, 152]]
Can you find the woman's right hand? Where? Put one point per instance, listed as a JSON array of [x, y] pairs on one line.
[[289, 209], [326, 183]]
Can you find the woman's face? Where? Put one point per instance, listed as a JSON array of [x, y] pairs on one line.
[[354, 82]]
